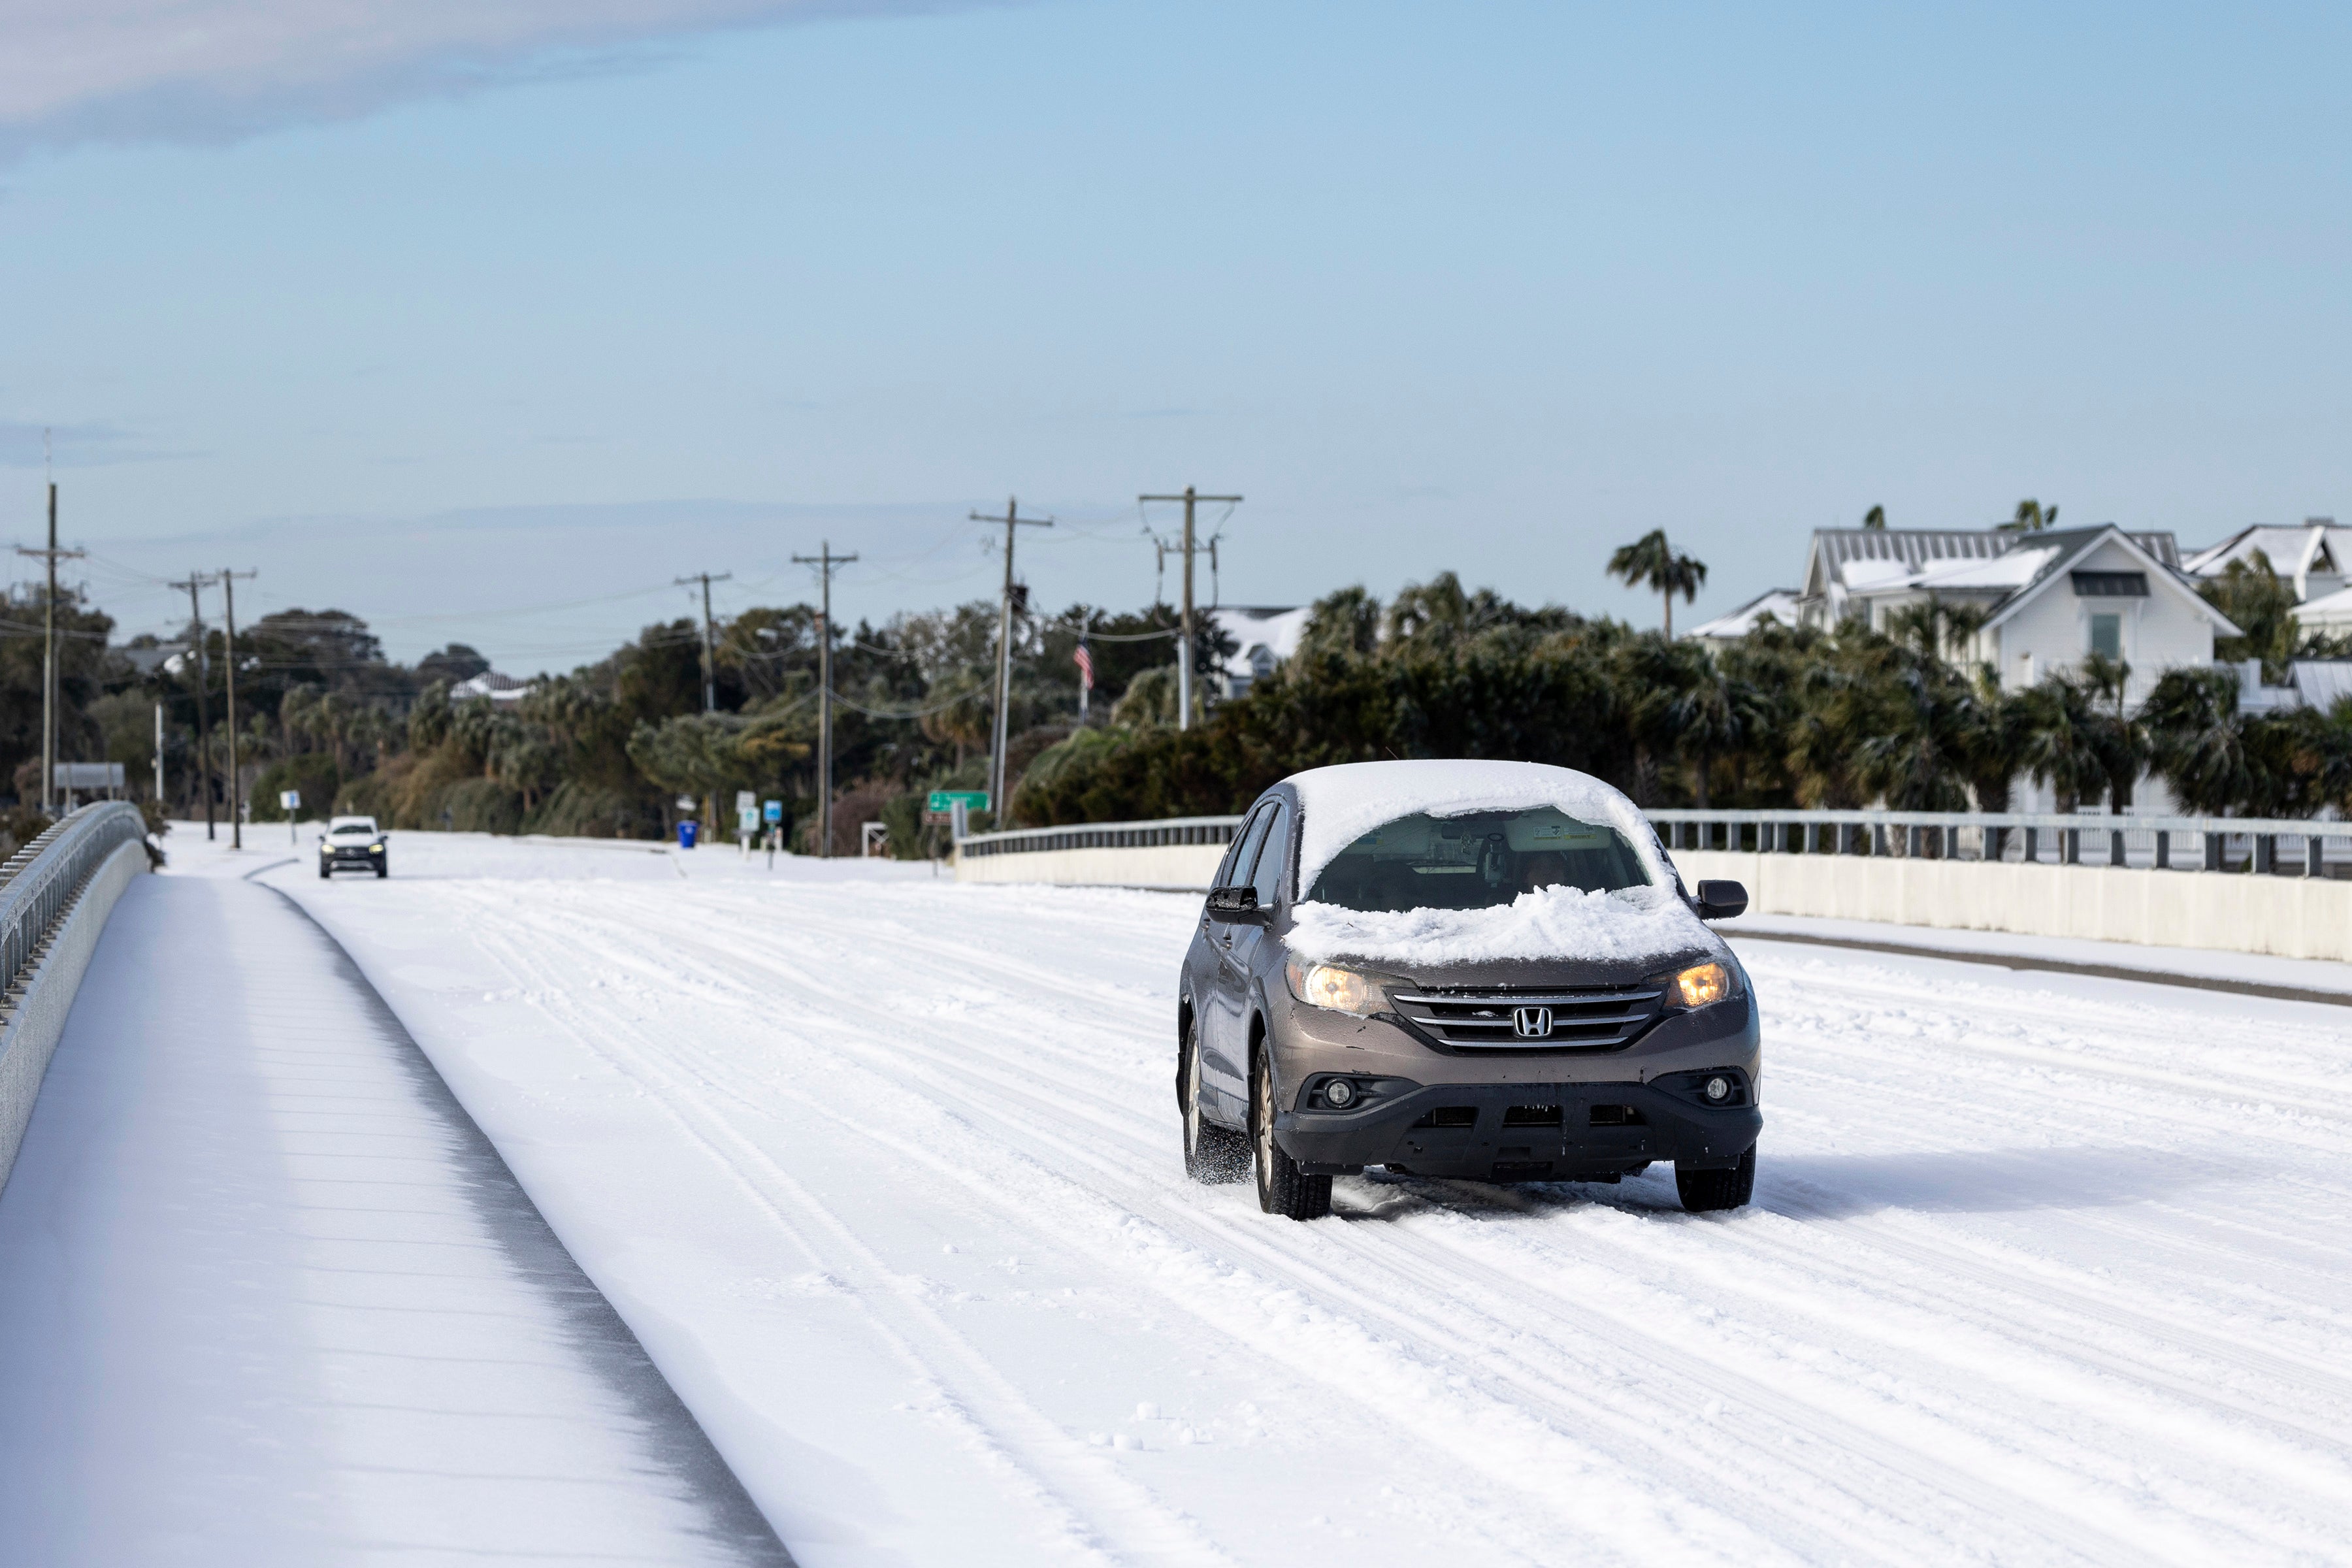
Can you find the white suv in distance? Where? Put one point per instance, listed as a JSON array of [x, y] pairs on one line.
[[352, 843]]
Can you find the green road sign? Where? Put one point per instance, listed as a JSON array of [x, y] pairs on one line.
[[943, 800]]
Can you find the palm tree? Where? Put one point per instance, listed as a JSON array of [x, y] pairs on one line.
[[2032, 517], [1651, 562], [1874, 519]]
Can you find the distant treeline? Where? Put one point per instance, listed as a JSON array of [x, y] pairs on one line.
[[1787, 717]]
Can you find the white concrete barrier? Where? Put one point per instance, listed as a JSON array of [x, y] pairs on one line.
[[2292, 916]]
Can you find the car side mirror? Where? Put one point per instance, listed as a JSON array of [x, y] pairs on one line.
[[1721, 901], [1236, 904]]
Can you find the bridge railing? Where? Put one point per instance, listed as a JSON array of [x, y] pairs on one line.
[[55, 895], [1173, 830], [2314, 847]]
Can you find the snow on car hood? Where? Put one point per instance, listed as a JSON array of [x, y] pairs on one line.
[[1338, 805], [1550, 923]]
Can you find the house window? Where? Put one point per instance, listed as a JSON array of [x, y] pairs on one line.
[[2111, 585], [2108, 637]]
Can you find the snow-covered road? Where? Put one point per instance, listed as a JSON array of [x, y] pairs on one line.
[[884, 1172]]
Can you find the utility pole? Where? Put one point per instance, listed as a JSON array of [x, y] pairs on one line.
[[228, 622], [204, 743], [710, 659], [1185, 656], [1002, 736], [825, 563], [49, 687]]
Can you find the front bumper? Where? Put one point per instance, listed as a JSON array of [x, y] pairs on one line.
[[1530, 1131], [351, 859]]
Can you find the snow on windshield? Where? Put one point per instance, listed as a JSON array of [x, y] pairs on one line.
[[1468, 862]]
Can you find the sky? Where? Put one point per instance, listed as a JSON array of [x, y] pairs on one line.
[[487, 320]]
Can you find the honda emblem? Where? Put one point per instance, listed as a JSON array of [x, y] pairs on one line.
[[1531, 1023]]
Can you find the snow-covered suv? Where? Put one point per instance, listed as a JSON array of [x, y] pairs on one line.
[[1474, 970], [353, 844]]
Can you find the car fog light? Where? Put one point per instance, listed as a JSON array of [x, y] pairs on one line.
[[1718, 1088], [1340, 1094]]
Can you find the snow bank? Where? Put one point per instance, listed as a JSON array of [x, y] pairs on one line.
[[1550, 922], [1339, 805]]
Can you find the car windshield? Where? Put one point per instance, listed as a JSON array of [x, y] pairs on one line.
[[1479, 861], [363, 829]]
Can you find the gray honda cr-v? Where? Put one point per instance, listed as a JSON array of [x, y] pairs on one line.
[[1475, 970]]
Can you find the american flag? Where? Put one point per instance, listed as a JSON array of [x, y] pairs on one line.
[[1086, 663]]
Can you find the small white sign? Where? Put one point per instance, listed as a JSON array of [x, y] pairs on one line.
[[746, 819], [291, 799]]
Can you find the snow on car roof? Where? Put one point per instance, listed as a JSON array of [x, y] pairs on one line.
[[1339, 805]]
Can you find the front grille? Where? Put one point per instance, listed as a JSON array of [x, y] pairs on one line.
[[1489, 1021]]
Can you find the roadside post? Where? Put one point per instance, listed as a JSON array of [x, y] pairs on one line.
[[773, 812], [291, 800], [954, 808], [746, 819]]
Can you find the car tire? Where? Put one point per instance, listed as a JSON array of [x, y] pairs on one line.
[[1282, 1187], [1703, 1192], [383, 868], [326, 872], [1212, 1153]]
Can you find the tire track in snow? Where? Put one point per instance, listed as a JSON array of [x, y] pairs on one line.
[[1990, 1503]]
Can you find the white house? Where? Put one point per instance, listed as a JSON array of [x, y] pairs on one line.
[[1781, 604], [2052, 598], [502, 690], [1269, 634], [2313, 557]]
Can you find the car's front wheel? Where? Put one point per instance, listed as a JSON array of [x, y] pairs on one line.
[[383, 866], [1703, 1191], [1282, 1187], [1212, 1153], [325, 871]]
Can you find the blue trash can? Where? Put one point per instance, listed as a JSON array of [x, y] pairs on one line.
[[686, 834]]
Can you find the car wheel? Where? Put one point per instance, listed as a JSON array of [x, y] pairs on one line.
[[1282, 1187], [383, 868], [1706, 1191], [325, 872], [1212, 1153]]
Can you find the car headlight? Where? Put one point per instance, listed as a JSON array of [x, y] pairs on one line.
[[1328, 985], [1701, 985], [375, 849]]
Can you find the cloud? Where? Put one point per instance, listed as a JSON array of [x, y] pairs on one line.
[[76, 70]]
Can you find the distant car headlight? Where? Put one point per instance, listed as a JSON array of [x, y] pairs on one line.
[[1328, 985], [375, 849], [1702, 986]]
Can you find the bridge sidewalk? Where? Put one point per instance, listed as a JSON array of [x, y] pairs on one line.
[[268, 1296]]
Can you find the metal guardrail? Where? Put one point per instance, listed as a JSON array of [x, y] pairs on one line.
[[1216, 830], [39, 880], [2224, 842], [2015, 836]]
